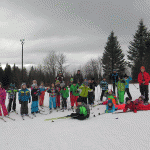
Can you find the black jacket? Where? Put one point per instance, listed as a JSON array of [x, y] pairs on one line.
[[35, 93], [78, 78]]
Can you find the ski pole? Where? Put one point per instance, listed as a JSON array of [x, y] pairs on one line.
[[135, 86]]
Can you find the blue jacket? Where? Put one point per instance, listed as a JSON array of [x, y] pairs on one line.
[[104, 85], [24, 95], [110, 110], [128, 80]]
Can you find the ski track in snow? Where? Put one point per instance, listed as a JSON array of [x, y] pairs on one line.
[[130, 131]]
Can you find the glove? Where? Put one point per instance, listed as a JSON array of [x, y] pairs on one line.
[[19, 101], [29, 100], [106, 111]]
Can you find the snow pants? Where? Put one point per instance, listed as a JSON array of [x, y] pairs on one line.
[[78, 116], [121, 96], [74, 100], [4, 110], [52, 100], [11, 100], [41, 98], [58, 100], [128, 93], [34, 106], [90, 98], [64, 103], [144, 92], [24, 107], [71, 96]]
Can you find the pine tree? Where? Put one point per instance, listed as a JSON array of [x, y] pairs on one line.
[[113, 57], [138, 51], [1, 74]]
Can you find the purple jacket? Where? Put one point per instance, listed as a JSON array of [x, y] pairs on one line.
[[2, 95]]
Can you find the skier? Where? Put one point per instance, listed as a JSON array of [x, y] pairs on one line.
[[52, 96], [2, 101], [127, 79], [82, 111], [110, 107], [114, 77], [143, 79], [78, 78], [65, 94], [12, 90], [75, 94], [121, 89], [35, 92], [104, 86], [58, 93], [33, 83], [91, 93], [24, 97], [60, 77], [84, 92], [42, 89], [130, 104]]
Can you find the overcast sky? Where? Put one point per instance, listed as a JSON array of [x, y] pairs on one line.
[[79, 28]]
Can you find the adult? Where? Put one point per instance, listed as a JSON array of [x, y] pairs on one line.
[[60, 77], [114, 78], [78, 78], [143, 79]]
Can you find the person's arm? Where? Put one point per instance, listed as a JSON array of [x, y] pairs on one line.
[[130, 79], [147, 78]]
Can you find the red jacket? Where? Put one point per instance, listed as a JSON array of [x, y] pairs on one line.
[[146, 78], [131, 106], [143, 107]]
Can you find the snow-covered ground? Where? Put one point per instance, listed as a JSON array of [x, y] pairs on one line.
[[129, 132]]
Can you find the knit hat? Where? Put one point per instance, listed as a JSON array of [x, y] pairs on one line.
[[125, 76], [114, 69], [92, 78], [121, 76], [127, 99], [143, 67], [143, 97], [71, 79], [74, 82], [79, 100], [62, 84], [22, 84], [57, 81], [110, 101]]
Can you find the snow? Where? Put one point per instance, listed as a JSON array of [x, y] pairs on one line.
[[130, 131]]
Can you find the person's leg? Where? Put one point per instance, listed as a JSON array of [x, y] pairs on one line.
[[4, 110], [26, 107], [119, 94], [114, 88], [128, 93], [121, 97], [50, 102], [76, 97], [146, 93], [54, 102], [22, 108], [9, 104], [58, 100], [36, 106], [14, 104], [72, 100], [40, 102], [142, 89]]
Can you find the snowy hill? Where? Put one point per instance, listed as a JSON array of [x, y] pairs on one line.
[[129, 132]]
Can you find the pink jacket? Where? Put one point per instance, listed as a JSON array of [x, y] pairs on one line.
[[2, 95]]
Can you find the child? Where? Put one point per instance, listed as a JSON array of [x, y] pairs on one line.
[[130, 104], [12, 90], [34, 82], [65, 94], [2, 101], [58, 93], [75, 94], [52, 96], [110, 107], [42, 89], [91, 93], [84, 92], [121, 89], [127, 79], [104, 86], [24, 97], [34, 92], [82, 111]]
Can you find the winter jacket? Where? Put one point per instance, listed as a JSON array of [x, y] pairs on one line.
[[83, 109], [74, 90], [42, 89], [137, 101], [24, 95], [52, 91], [35, 93], [104, 85], [110, 109], [32, 86], [2, 95], [121, 85], [61, 79], [131, 106], [145, 78], [64, 92], [114, 77], [92, 86], [58, 90], [12, 93], [78, 78], [85, 90], [127, 80], [143, 107]]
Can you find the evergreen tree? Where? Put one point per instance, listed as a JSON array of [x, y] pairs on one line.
[[138, 51], [113, 58], [1, 74]]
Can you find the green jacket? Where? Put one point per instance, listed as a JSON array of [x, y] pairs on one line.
[[83, 109], [65, 93], [74, 89], [85, 90], [121, 85]]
